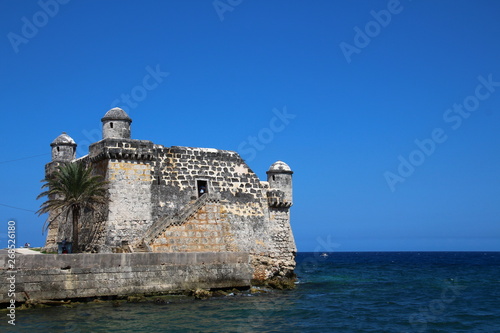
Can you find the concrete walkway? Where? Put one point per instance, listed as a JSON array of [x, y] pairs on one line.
[[27, 251]]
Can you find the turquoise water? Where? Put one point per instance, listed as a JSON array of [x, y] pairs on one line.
[[344, 292]]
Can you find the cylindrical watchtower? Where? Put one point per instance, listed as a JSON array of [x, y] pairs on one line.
[[63, 148], [116, 124], [279, 177]]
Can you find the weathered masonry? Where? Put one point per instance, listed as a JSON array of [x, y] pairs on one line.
[[181, 199], [63, 276]]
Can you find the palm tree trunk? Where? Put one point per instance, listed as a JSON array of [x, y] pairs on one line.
[[76, 214]]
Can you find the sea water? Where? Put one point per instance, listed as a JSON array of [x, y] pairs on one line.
[[338, 292]]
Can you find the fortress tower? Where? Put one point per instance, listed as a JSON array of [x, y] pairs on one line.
[[63, 151], [279, 177], [116, 124], [279, 198], [63, 148]]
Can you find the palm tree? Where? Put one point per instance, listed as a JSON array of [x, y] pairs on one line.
[[72, 189]]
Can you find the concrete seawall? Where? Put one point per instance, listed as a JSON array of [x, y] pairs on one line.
[[54, 276]]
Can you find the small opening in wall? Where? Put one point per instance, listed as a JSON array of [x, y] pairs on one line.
[[57, 148], [274, 177], [111, 125], [202, 187]]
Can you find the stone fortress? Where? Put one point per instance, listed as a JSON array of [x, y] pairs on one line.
[[180, 199]]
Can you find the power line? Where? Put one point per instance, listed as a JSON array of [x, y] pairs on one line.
[[24, 158], [28, 210]]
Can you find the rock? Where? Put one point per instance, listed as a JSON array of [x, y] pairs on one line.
[[278, 282], [219, 293], [136, 299], [257, 290], [202, 294]]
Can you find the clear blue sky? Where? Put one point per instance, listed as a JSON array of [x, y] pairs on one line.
[[359, 87]]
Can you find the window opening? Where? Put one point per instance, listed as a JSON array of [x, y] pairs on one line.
[[111, 125], [202, 186]]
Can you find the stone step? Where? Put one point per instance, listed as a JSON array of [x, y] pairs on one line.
[[140, 248]]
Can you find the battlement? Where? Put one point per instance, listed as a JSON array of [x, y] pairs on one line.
[[126, 149]]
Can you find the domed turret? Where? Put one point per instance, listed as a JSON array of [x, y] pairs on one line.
[[280, 167], [279, 177], [63, 148], [116, 124]]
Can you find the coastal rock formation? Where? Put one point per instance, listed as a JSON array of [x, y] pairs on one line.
[[181, 199]]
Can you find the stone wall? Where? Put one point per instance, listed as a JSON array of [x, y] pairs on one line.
[[207, 230], [284, 250], [177, 170], [53, 276], [129, 210]]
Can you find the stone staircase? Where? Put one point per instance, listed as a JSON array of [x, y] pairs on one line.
[[140, 247], [160, 225]]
